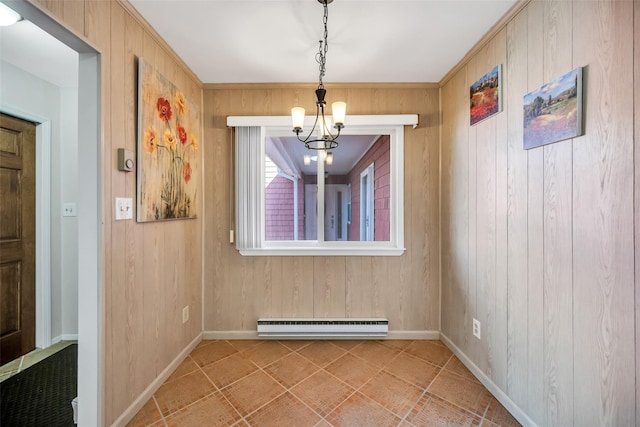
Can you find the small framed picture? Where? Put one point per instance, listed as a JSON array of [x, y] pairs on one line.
[[485, 96], [553, 112]]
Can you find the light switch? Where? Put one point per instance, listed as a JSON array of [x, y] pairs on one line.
[[124, 208]]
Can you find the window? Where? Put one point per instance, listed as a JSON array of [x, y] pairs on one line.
[[294, 201]]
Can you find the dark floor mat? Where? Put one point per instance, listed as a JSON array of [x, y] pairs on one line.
[[41, 395]]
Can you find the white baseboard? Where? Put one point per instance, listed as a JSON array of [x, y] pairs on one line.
[[502, 397], [64, 337], [253, 335], [137, 404]]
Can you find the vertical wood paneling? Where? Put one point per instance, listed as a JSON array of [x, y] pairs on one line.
[[535, 228], [486, 221], [500, 331], [636, 172], [558, 238], [473, 344], [603, 204], [516, 85], [118, 334]]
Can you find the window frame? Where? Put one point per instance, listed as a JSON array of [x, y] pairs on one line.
[[253, 223]]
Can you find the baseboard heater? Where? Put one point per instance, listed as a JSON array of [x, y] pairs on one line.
[[322, 328]]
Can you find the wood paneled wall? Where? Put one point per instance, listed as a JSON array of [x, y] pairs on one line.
[[151, 270], [238, 290], [539, 244]]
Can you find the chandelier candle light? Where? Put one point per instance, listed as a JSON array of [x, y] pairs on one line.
[[326, 139]]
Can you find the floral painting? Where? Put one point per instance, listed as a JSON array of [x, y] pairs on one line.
[[168, 155], [484, 96], [553, 112]]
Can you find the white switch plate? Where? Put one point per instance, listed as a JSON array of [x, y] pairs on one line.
[[124, 208], [69, 209], [185, 314], [476, 328]]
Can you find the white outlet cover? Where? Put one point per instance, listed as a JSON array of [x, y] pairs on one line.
[[476, 328], [69, 209]]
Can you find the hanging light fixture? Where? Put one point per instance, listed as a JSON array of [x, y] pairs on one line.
[[326, 138]]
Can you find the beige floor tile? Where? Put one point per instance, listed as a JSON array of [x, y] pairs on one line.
[[244, 344], [296, 344], [252, 392], [213, 410], [322, 352], [360, 411], [346, 344], [291, 369], [431, 411], [175, 395], [266, 353], [399, 344], [352, 370], [147, 416], [186, 367], [397, 395], [212, 352], [414, 370], [322, 392], [375, 353], [229, 370], [497, 414], [431, 351], [464, 393], [455, 365], [284, 411]]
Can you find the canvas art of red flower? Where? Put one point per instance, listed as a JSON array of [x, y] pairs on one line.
[[169, 158]]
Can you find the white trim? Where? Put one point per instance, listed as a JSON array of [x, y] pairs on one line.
[[43, 221], [363, 120], [64, 337], [148, 392], [323, 251], [253, 335], [497, 392]]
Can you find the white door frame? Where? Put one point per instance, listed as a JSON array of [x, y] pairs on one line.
[[43, 220]]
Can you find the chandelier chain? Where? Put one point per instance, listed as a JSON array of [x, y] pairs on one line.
[[321, 57]]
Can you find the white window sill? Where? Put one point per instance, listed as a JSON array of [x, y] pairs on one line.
[[283, 251]]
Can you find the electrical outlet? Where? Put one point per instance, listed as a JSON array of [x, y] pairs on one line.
[[476, 328], [185, 314]]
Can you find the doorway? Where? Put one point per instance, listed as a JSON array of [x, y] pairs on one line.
[[89, 218]]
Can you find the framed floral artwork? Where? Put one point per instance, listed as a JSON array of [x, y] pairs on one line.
[[484, 96], [168, 155]]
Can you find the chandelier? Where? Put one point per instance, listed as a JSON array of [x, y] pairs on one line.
[[326, 138]]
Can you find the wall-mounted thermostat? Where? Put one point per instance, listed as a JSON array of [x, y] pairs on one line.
[[126, 160]]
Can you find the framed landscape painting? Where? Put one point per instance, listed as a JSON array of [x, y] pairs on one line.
[[553, 112], [485, 96], [168, 156]]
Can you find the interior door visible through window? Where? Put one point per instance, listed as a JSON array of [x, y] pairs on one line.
[[335, 221], [367, 219]]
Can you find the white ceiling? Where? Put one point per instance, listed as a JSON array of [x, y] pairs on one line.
[[267, 41], [33, 50]]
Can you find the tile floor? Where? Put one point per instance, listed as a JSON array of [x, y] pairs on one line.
[[322, 383], [20, 364]]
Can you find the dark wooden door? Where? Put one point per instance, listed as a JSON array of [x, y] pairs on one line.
[[17, 237]]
